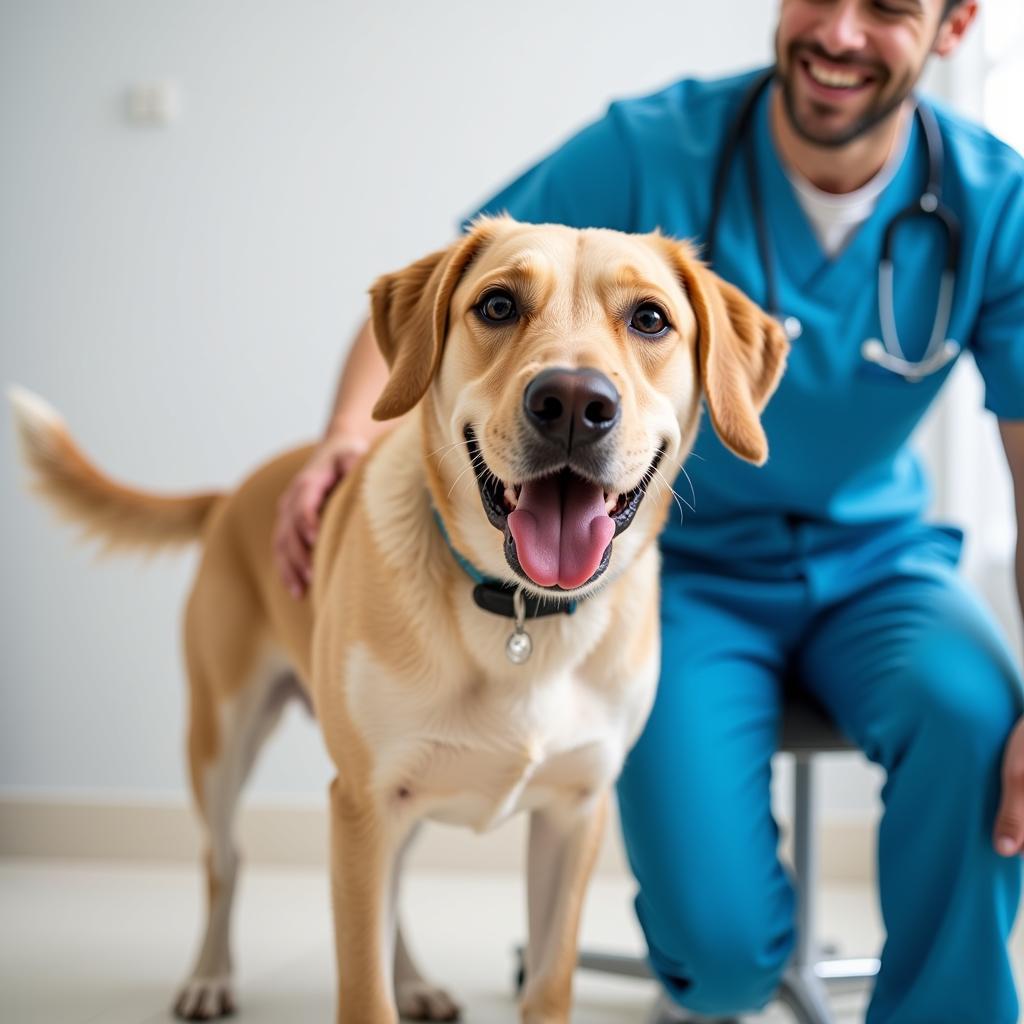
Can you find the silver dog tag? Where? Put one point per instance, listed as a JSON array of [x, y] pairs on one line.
[[519, 646]]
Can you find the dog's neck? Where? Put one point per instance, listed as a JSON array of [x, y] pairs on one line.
[[498, 596], [397, 494]]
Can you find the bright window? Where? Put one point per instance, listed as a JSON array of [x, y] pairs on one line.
[[983, 82], [1003, 28]]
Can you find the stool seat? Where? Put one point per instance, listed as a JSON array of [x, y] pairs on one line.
[[806, 727]]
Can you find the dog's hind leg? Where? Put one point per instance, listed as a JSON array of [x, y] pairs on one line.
[[224, 740], [416, 998]]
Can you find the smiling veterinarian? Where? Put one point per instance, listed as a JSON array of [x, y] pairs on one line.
[[817, 567]]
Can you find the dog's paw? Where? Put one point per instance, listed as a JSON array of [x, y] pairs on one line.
[[205, 999], [419, 1000]]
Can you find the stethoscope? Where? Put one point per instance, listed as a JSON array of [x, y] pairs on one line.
[[886, 351]]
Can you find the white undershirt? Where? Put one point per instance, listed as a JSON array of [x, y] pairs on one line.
[[836, 217]]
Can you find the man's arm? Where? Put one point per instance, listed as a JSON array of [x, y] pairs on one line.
[[362, 380], [351, 429], [1009, 829]]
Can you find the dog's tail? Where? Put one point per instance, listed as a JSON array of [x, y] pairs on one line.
[[119, 517]]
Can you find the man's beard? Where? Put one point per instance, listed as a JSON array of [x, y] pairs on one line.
[[872, 117]]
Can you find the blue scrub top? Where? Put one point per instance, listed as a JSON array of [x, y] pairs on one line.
[[837, 427]]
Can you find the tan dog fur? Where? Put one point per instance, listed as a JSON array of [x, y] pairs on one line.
[[421, 712]]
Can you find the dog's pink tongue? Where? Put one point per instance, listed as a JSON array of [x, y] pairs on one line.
[[561, 530]]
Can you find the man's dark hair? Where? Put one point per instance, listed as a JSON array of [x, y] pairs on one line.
[[950, 4]]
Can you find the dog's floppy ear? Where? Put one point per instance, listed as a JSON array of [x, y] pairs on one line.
[[741, 353], [410, 320]]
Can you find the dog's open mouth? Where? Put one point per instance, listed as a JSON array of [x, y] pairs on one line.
[[559, 526]]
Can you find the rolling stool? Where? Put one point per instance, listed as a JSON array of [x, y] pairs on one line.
[[806, 731]]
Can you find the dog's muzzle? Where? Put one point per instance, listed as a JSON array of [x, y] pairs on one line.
[[559, 522]]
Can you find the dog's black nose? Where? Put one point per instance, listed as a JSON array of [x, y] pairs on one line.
[[573, 408]]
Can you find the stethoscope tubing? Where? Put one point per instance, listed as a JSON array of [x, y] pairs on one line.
[[886, 351]]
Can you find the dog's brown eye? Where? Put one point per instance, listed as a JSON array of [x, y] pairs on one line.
[[498, 307], [649, 319]]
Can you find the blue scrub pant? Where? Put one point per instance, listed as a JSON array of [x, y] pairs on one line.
[[884, 633]]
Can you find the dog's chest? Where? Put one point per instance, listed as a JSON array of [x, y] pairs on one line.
[[476, 760]]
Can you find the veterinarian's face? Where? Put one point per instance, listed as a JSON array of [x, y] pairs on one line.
[[569, 370], [847, 65]]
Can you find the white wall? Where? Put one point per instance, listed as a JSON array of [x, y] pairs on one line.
[[184, 295]]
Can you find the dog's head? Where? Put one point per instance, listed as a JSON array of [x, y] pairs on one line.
[[561, 373]]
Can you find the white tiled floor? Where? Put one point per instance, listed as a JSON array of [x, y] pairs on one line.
[[86, 943]]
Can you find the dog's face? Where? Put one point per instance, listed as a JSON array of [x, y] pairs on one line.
[[561, 373]]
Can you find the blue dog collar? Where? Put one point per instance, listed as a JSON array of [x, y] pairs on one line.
[[498, 597]]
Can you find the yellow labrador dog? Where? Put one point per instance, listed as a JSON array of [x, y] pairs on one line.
[[482, 637]]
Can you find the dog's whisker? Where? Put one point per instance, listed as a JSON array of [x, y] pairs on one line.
[[450, 448], [693, 493], [680, 501], [679, 497], [657, 486], [477, 461], [460, 476], [441, 448], [677, 500], [680, 467]]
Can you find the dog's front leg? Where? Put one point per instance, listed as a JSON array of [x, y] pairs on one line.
[[364, 846], [564, 841]]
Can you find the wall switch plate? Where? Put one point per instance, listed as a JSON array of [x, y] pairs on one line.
[[156, 104]]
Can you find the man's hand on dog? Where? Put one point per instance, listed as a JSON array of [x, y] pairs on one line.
[[298, 511]]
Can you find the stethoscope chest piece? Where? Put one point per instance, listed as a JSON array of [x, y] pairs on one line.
[[874, 351]]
